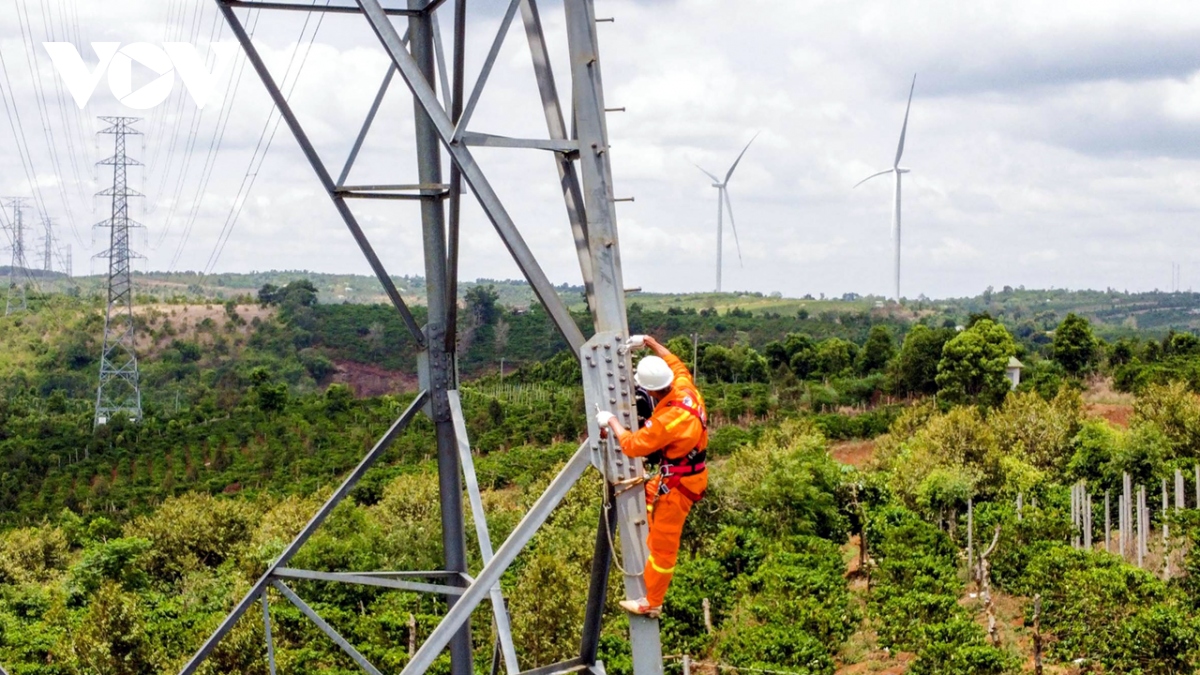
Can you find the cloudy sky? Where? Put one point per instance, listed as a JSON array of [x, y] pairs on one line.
[[1051, 144]]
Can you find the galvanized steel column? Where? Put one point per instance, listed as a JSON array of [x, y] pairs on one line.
[[439, 359]]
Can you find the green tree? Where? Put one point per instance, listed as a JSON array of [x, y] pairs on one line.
[[877, 352], [917, 363], [1074, 345], [483, 303], [835, 356], [973, 365], [112, 636]]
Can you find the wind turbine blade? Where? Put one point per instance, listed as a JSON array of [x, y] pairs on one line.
[[874, 175], [739, 158], [733, 226], [715, 179], [904, 129]]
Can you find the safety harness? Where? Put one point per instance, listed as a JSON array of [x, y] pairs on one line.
[[672, 471]]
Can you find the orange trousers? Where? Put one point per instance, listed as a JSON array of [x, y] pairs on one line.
[[667, 514]]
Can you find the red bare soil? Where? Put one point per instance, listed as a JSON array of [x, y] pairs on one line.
[[1116, 414], [367, 380], [854, 453]]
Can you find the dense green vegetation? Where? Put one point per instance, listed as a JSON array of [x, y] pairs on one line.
[[121, 547]]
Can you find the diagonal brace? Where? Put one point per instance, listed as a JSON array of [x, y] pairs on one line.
[[567, 176], [486, 72], [490, 575], [499, 610], [326, 628], [314, 159], [462, 157], [288, 553]]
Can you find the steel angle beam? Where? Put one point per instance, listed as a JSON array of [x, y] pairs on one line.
[[557, 128], [488, 63], [428, 574], [314, 523], [315, 7], [494, 141], [310, 153], [326, 628], [489, 576], [366, 127], [608, 308], [569, 666], [266, 605], [479, 516], [426, 98], [367, 580]]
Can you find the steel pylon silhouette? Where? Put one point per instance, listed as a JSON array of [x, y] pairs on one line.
[[19, 264], [577, 145], [119, 392]]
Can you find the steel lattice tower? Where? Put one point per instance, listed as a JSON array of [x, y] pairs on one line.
[[119, 391], [15, 301], [48, 246], [576, 151]]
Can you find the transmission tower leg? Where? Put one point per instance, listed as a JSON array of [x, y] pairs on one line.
[[599, 377], [606, 366], [439, 360]]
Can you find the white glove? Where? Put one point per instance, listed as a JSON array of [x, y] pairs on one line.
[[603, 417], [636, 341]]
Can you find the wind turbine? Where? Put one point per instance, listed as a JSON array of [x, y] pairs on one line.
[[723, 203], [898, 171]]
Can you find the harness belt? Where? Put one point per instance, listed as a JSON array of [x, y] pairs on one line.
[[672, 471], [684, 466]]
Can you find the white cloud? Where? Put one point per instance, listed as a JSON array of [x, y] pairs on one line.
[[1063, 136]]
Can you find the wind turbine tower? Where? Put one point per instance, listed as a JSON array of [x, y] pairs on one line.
[[897, 170], [724, 204]]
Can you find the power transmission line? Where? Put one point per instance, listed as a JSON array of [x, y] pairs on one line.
[[214, 146], [18, 129], [273, 120], [193, 136], [34, 64]]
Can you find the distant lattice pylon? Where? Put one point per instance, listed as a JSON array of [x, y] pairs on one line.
[[15, 301], [119, 392]]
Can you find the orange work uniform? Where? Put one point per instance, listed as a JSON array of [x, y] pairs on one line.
[[677, 427]]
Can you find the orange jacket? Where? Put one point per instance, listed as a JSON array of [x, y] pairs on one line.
[[670, 428]]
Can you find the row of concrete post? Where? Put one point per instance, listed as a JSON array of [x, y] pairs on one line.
[[1133, 517]]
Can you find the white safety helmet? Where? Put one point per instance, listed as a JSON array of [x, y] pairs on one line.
[[653, 374]]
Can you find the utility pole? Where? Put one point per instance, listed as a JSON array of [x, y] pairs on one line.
[[15, 301], [696, 356], [119, 391]]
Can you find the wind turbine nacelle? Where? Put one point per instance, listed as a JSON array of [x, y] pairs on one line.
[[718, 185], [903, 170]]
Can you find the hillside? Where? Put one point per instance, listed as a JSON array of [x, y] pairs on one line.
[[1115, 313], [845, 448]]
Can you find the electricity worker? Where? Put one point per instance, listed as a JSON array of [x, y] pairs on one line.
[[678, 431]]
